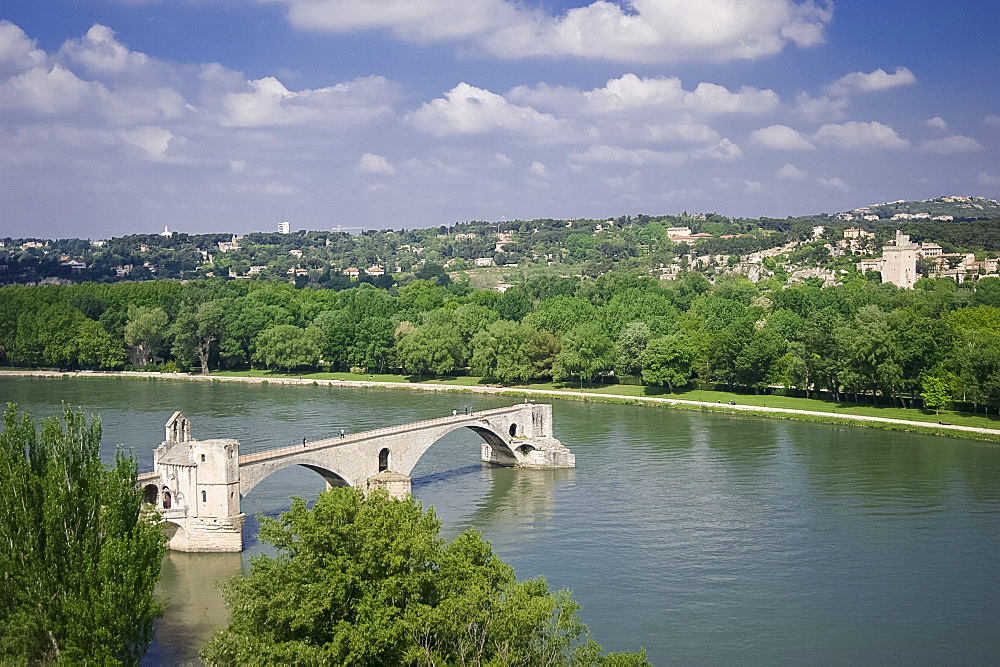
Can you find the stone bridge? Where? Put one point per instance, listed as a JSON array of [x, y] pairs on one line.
[[197, 484]]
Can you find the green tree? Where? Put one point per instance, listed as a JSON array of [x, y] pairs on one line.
[[668, 361], [631, 343], [287, 347], [80, 555], [145, 332], [586, 352], [433, 349], [198, 332], [503, 352], [935, 392], [757, 363], [561, 313], [95, 348], [372, 345], [368, 581]]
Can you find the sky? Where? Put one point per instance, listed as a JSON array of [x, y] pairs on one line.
[[123, 116]]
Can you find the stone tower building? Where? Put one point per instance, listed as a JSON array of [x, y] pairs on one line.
[[899, 265], [200, 490]]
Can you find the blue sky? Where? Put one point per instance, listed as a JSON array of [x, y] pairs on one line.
[[122, 116]]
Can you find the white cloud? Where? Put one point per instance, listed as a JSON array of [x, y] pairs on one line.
[[631, 156], [17, 52], [871, 81], [370, 163], [954, 144], [47, 91], [937, 123], [236, 166], [988, 179], [686, 132], [502, 160], [724, 151], [655, 31], [411, 20], [538, 169], [752, 187], [467, 109], [645, 31], [789, 172], [631, 93], [101, 54], [782, 138], [815, 108], [993, 120], [854, 134], [834, 183], [267, 102], [153, 141]]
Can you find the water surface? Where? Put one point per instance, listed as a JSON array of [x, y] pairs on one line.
[[702, 537]]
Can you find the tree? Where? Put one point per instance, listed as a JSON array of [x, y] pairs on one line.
[[198, 331], [432, 349], [145, 332], [668, 360], [586, 352], [372, 345], [361, 580], [629, 348], [503, 352], [80, 555], [287, 347], [757, 363], [935, 392]]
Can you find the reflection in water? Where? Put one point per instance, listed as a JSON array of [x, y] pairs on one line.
[[702, 537], [188, 584]]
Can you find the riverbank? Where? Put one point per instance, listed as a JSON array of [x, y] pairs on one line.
[[723, 402]]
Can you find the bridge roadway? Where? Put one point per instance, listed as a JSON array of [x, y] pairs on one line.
[[198, 484]]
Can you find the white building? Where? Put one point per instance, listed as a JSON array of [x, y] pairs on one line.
[[283, 227]]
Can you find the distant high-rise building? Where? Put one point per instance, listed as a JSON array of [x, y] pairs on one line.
[[166, 231], [900, 261], [283, 227]]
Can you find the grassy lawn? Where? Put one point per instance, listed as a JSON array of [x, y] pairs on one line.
[[723, 397]]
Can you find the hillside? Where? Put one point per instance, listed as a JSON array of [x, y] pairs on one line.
[[956, 207]]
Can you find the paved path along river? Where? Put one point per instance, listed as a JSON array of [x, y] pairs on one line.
[[703, 537]]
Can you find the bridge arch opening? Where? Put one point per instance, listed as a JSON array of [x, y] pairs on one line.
[[383, 459], [150, 494]]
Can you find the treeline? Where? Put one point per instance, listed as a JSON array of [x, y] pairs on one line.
[[866, 340]]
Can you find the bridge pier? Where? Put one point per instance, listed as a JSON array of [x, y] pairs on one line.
[[396, 484], [197, 484]]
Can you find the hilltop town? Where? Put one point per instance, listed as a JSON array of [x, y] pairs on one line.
[[898, 242]]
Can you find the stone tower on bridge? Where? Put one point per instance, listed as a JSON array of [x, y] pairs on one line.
[[197, 490]]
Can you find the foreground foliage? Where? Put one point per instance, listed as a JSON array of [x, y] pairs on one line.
[[369, 581], [79, 562]]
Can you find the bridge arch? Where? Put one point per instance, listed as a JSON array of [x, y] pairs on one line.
[[251, 477], [493, 436]]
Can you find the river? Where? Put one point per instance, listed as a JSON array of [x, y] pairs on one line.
[[701, 537]]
